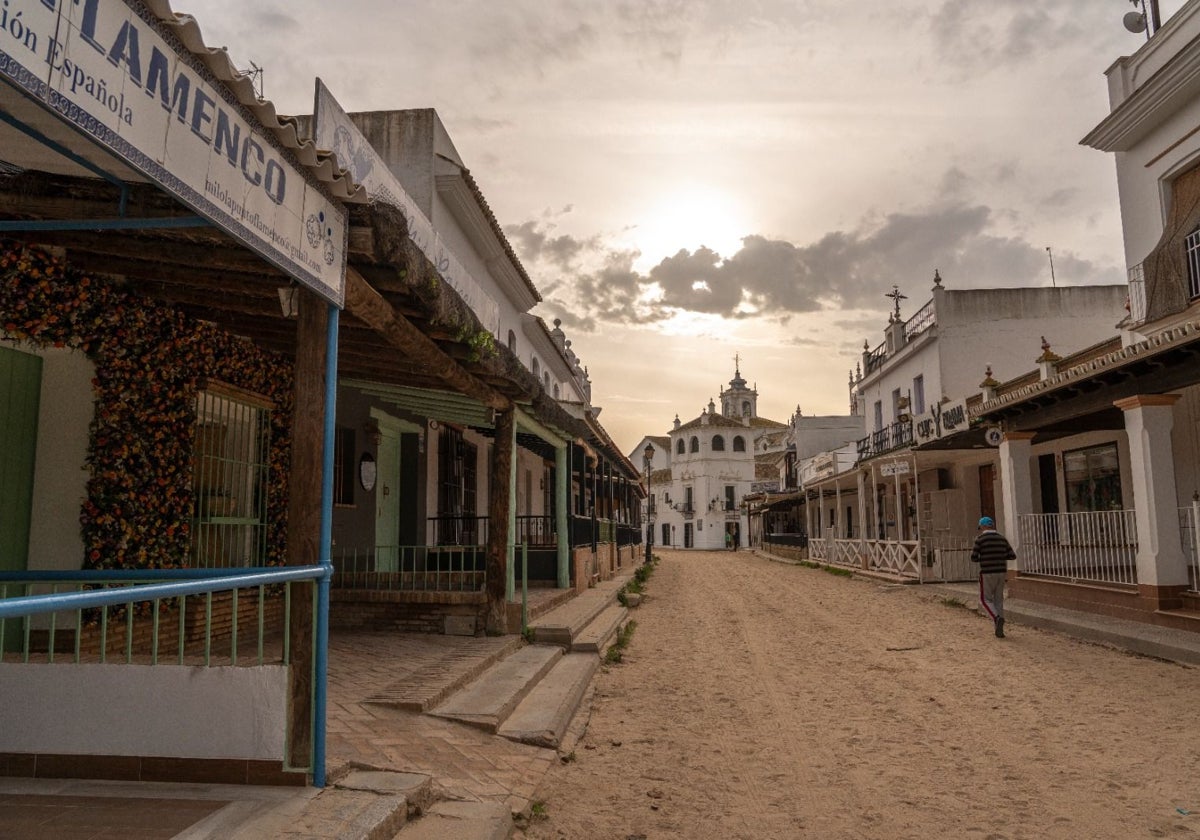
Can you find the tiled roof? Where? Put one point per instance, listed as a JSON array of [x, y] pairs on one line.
[[1091, 361], [721, 421], [322, 164]]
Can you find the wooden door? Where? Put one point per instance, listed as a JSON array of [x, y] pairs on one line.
[[987, 490], [20, 390]]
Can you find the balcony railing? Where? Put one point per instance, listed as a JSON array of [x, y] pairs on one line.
[[883, 440], [921, 321], [1090, 547]]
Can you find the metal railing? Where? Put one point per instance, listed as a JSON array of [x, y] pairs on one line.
[[883, 440], [919, 322], [146, 613], [412, 568], [1092, 547], [457, 530], [536, 531]]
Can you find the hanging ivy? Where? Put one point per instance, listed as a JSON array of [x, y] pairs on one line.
[[148, 359]]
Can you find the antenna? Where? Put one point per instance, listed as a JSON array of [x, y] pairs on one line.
[[256, 79], [1050, 254]]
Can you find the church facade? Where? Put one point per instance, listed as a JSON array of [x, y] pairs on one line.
[[702, 470]]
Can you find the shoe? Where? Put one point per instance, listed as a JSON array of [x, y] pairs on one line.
[[1000, 628]]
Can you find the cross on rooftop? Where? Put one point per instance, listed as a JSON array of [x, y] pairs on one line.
[[896, 296]]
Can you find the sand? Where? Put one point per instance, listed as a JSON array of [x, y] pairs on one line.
[[766, 700]]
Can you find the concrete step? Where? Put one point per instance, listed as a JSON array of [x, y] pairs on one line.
[[543, 716], [364, 805], [603, 629], [488, 701], [460, 821], [562, 624]]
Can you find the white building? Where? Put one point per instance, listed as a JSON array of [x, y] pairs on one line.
[[708, 466], [909, 499], [1100, 459]]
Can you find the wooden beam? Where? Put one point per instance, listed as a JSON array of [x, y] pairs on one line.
[[371, 308]]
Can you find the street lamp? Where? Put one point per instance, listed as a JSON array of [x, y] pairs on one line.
[[648, 454]]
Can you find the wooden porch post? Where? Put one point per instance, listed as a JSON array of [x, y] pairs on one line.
[[304, 511], [562, 487], [499, 502]]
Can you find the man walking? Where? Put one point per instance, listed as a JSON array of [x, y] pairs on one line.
[[992, 552]]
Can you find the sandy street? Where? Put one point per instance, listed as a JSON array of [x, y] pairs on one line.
[[764, 700]]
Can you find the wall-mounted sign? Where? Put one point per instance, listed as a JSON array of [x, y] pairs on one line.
[[940, 421], [332, 129], [894, 468], [367, 471], [113, 71]]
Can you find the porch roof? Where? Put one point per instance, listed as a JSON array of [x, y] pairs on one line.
[[1080, 397]]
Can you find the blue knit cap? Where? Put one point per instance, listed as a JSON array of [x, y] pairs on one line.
[[987, 522]]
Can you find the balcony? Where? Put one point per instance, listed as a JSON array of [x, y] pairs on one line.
[[891, 437]]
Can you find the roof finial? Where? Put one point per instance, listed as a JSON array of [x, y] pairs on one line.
[[937, 278], [896, 296]]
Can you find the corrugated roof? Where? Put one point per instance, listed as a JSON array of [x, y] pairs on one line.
[[322, 164]]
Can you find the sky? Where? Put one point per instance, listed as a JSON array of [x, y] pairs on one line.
[[690, 180]]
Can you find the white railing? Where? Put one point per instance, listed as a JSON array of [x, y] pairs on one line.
[[1189, 533], [818, 549], [845, 553], [1092, 547], [895, 557]]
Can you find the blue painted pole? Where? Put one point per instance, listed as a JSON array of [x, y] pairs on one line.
[[321, 655]]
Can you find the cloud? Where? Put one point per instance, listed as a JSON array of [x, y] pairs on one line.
[[844, 270]]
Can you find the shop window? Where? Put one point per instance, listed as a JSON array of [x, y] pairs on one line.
[[230, 468], [1093, 478], [457, 476]]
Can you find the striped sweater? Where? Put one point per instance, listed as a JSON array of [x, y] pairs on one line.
[[992, 552]]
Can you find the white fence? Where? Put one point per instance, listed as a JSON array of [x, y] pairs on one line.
[[1093, 547]]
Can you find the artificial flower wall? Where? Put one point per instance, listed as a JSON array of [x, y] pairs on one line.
[[148, 360]]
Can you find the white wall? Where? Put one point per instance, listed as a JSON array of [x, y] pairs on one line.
[[143, 710]]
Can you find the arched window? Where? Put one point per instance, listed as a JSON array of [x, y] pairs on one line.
[[739, 444], [695, 444], [745, 409], [546, 381], [512, 341], [718, 443], [537, 367], [679, 447], [555, 390]]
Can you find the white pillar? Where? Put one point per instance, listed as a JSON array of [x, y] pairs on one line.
[[1160, 558], [1016, 484]]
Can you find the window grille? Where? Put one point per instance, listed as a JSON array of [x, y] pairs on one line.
[[1191, 247], [230, 470]]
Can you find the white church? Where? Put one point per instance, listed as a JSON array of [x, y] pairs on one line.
[[702, 470]]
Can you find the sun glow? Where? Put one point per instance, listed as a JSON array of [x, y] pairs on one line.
[[687, 218]]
